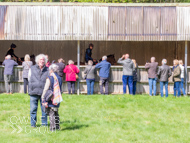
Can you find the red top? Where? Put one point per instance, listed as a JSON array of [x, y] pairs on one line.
[[70, 71]]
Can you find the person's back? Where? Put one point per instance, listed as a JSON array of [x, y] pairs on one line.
[[152, 69], [9, 66], [61, 68], [135, 73], [164, 73], [182, 71], [26, 66], [128, 66], [104, 67], [90, 71], [152, 74]]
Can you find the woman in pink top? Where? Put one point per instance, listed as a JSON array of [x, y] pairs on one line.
[[71, 70]]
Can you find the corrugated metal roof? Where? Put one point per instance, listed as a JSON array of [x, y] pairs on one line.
[[108, 23]]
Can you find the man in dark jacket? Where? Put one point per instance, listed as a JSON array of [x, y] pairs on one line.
[[37, 77], [128, 68], [61, 66], [88, 53], [11, 52], [152, 75], [104, 67], [8, 72], [164, 73]]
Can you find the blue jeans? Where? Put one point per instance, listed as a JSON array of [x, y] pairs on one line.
[[33, 110], [166, 88], [127, 80], [177, 88], [152, 82], [134, 87], [90, 86], [182, 87]]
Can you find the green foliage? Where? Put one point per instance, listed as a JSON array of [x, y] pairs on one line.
[[100, 119], [103, 1]]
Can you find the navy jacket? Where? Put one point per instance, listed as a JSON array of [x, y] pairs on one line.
[[61, 68], [88, 55], [104, 67], [9, 66], [51, 88], [11, 52]]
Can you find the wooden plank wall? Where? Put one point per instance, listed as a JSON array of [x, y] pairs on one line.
[[141, 51]]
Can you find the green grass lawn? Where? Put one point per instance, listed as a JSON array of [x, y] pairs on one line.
[[100, 119]]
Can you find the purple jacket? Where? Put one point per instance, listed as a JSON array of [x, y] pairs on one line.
[[9, 66]]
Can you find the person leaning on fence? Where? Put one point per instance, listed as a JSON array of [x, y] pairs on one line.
[[26, 66], [152, 75], [104, 72], [176, 78], [71, 70], [134, 76], [53, 83], [182, 76], [164, 73], [128, 68], [8, 73], [37, 77], [90, 77]]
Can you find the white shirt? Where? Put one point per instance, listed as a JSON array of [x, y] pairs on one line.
[[182, 71]]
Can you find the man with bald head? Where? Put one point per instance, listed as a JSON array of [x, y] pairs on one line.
[[152, 75], [128, 68]]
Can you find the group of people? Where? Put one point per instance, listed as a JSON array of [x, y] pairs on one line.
[[163, 73], [45, 80]]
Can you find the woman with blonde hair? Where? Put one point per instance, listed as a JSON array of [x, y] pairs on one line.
[[26, 66], [134, 76], [182, 76], [176, 77]]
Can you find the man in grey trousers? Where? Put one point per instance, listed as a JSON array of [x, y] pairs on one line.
[[104, 72], [8, 73]]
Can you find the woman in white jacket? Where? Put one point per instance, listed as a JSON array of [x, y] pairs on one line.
[[182, 76]]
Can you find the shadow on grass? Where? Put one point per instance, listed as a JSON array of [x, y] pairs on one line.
[[72, 125]]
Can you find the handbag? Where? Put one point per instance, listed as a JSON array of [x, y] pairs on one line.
[[76, 75], [87, 73]]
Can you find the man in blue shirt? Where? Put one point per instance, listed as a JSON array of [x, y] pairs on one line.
[[8, 72], [104, 67]]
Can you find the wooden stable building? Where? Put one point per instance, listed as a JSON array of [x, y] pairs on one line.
[[66, 29]]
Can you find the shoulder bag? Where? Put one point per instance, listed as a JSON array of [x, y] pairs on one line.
[[74, 72]]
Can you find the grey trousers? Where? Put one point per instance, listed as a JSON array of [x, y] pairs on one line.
[[104, 83], [54, 119], [8, 83]]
